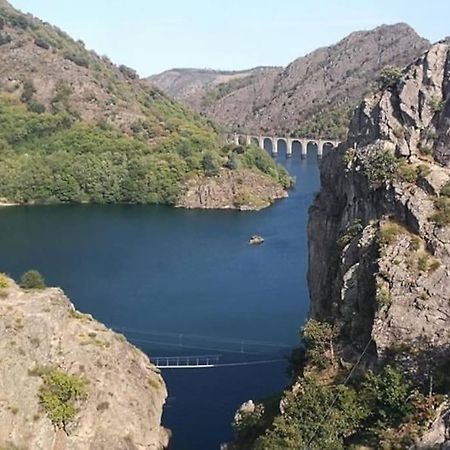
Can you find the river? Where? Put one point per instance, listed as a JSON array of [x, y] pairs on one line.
[[180, 282]]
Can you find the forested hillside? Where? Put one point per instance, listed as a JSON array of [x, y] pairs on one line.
[[74, 127]]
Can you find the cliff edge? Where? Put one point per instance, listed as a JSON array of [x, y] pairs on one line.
[[69, 383]]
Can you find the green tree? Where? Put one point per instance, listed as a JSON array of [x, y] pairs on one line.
[[319, 342], [389, 77], [32, 280], [210, 165]]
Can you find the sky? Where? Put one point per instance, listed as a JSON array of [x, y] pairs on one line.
[[156, 35]]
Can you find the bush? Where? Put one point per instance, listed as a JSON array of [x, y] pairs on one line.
[[436, 104], [389, 77], [318, 338], [4, 281], [59, 394], [353, 230], [381, 166], [442, 215], [5, 38], [42, 43], [128, 72], [407, 172], [210, 165], [32, 280], [77, 58], [445, 190], [27, 92], [388, 232], [36, 107]]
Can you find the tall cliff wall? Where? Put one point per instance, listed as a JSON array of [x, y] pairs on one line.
[[379, 240]]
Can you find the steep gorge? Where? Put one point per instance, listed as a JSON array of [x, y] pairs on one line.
[[373, 372]]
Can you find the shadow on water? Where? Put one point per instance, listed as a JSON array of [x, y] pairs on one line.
[[161, 270]]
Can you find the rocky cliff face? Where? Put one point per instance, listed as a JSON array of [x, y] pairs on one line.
[[379, 234], [242, 190], [41, 333], [325, 83]]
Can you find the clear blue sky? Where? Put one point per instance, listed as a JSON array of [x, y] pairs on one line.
[[155, 35]]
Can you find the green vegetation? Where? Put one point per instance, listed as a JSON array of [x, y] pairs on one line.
[[380, 410], [59, 394], [223, 89], [381, 166], [436, 104], [51, 158], [4, 281], [409, 173], [318, 338], [389, 231], [143, 153], [32, 280], [353, 230], [442, 215], [445, 190], [331, 122], [389, 77]]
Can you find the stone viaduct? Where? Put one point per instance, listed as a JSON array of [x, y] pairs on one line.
[[247, 139]]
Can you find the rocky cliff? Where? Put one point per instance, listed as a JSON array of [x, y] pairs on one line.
[[68, 382], [379, 230], [380, 215], [314, 94]]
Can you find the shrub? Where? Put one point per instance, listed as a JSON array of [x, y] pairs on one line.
[[436, 104], [389, 77], [389, 232], [5, 38], [423, 170], [32, 280], [27, 92], [4, 281], [77, 58], [36, 107], [445, 190], [59, 394], [381, 167], [407, 172], [318, 338], [442, 215], [353, 230], [128, 72], [210, 165], [42, 43]]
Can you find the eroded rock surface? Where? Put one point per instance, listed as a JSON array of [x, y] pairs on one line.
[[125, 392], [388, 284]]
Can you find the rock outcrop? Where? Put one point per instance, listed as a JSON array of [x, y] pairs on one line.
[[41, 331], [379, 234], [243, 189]]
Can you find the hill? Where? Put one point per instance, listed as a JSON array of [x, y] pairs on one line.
[[74, 127], [315, 94]]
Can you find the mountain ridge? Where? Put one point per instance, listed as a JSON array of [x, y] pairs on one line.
[[310, 89]]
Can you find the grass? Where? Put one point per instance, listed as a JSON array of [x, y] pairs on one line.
[[389, 231]]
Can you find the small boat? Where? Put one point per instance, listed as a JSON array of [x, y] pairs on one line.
[[256, 239]]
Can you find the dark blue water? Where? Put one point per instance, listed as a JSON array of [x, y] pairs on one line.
[[158, 272]]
